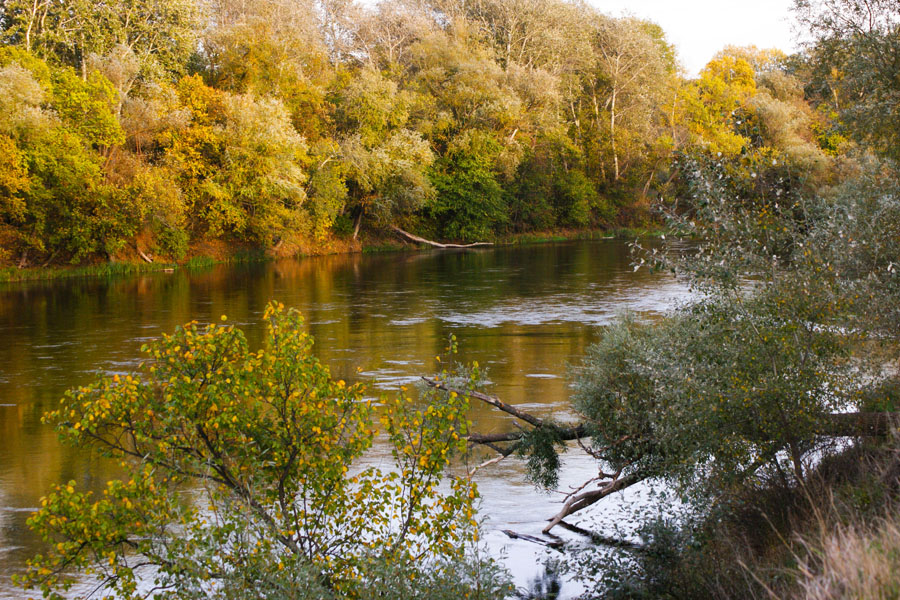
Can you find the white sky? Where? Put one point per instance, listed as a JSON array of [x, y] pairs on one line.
[[700, 28]]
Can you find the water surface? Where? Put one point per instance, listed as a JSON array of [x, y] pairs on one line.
[[525, 313]]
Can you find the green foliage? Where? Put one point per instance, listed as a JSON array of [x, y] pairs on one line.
[[541, 447], [370, 106], [299, 122], [576, 198], [469, 203], [161, 34], [852, 67], [240, 164], [551, 188], [86, 107], [269, 445]]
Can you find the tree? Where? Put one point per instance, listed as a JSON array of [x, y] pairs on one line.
[[87, 107], [469, 203], [385, 161], [630, 69], [855, 58], [59, 150], [716, 105], [161, 34], [460, 88], [271, 49], [240, 162], [755, 377], [269, 445], [386, 32], [534, 34]]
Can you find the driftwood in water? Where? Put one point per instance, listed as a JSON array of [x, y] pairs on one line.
[[421, 240], [584, 499], [603, 540]]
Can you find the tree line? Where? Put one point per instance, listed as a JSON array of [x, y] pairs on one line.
[[135, 126]]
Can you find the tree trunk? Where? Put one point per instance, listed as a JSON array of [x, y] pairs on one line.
[[612, 135]]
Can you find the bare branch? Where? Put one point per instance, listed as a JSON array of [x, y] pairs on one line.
[[585, 499]]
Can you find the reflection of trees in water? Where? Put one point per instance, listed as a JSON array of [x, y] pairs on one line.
[[545, 586]]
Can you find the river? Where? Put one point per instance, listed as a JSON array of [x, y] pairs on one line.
[[524, 312]]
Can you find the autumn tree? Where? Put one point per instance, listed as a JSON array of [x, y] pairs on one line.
[[58, 128], [161, 34], [632, 75], [271, 49], [281, 501], [240, 162], [385, 161], [854, 57]]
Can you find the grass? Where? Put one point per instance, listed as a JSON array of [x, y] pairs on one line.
[[14, 275], [384, 247], [857, 560], [200, 263]]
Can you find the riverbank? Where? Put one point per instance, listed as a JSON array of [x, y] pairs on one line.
[[836, 536], [207, 254]]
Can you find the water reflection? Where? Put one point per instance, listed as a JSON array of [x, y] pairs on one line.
[[523, 313]]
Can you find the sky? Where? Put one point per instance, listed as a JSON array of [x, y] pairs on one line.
[[700, 28]]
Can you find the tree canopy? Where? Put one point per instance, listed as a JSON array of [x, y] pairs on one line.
[[461, 120]]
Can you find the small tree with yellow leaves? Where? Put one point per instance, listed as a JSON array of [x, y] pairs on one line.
[[244, 480]]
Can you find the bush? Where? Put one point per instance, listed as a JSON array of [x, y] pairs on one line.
[[280, 506]]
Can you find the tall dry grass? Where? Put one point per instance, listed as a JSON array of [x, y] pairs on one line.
[[854, 561]]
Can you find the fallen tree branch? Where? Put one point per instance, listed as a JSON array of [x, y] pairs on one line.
[[602, 540], [486, 463], [556, 544], [144, 256], [855, 424], [492, 400], [585, 499], [421, 240]]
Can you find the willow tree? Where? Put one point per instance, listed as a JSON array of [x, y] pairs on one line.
[[384, 160], [781, 351]]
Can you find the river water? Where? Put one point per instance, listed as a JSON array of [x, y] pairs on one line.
[[525, 313]]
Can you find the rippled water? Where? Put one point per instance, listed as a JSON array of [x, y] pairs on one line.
[[523, 312]]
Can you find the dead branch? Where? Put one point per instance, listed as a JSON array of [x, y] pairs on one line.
[[556, 544], [602, 540], [585, 499], [857, 424], [486, 463], [492, 400], [421, 240], [144, 256]]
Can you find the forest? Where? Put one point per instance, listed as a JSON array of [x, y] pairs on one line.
[[138, 129]]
